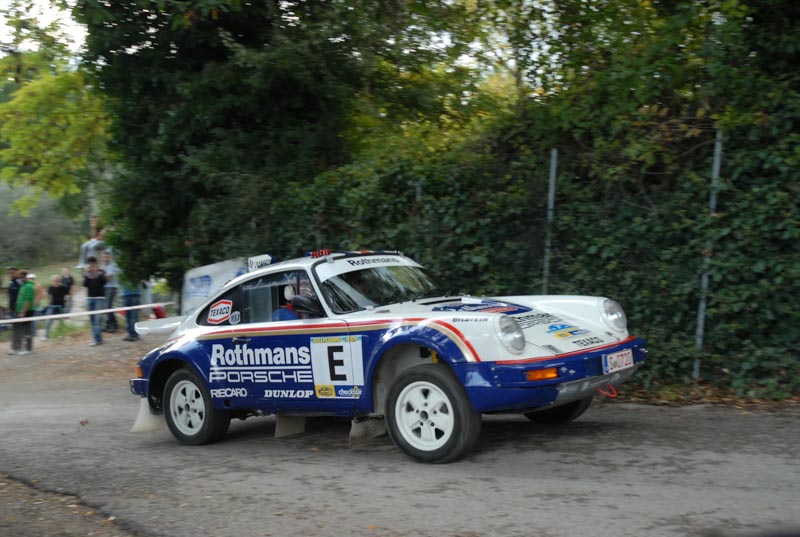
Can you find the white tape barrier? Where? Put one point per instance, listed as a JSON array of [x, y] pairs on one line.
[[81, 313]]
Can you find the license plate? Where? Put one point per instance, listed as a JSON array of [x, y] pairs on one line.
[[617, 360]]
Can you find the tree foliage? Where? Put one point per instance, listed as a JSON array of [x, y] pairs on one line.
[[53, 126], [44, 236], [222, 109], [55, 131]]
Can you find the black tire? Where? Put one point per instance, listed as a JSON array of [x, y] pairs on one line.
[[561, 415], [429, 416], [189, 411]]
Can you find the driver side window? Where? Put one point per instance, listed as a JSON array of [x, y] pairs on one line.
[[268, 298]]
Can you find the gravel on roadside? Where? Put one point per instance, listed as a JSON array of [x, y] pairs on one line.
[[26, 511]]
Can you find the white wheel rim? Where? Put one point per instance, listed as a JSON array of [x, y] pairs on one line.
[[187, 407], [424, 416]]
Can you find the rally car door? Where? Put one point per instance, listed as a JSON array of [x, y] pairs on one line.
[[270, 358]]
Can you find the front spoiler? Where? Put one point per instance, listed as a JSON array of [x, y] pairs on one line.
[[581, 389]]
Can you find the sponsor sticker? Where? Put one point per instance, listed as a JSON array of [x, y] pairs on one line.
[[220, 311], [564, 331], [470, 319], [528, 321], [226, 393], [325, 390], [484, 306], [235, 317], [269, 365], [289, 394], [588, 342]]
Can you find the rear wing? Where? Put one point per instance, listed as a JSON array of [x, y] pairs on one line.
[[167, 325]]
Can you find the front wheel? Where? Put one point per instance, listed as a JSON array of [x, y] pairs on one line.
[[189, 411], [560, 415], [429, 416]]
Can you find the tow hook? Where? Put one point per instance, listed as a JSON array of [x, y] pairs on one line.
[[610, 391]]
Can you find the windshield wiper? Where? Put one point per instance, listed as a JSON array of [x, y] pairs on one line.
[[436, 293]]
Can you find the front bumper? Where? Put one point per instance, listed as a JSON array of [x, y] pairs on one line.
[[503, 387], [139, 387]]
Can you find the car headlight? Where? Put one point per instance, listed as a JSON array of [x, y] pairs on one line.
[[510, 334], [614, 315]]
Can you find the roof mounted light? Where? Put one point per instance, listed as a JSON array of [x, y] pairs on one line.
[[259, 261], [319, 253]]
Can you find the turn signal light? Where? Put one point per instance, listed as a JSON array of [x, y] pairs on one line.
[[542, 374], [139, 372]]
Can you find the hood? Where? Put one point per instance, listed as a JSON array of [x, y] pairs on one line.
[[551, 324]]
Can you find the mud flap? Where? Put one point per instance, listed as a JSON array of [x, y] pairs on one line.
[[365, 430], [146, 421]]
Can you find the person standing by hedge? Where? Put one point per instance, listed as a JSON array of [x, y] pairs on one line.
[[23, 332], [13, 290], [112, 275], [69, 282], [58, 295], [94, 280], [130, 297]]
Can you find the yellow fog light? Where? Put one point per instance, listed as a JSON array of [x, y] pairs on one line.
[[542, 374]]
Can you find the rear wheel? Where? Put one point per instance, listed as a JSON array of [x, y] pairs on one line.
[[560, 415], [189, 411], [430, 417]]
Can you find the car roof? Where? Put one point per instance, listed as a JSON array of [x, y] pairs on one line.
[[311, 259]]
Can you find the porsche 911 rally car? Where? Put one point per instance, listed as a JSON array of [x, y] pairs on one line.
[[371, 335]]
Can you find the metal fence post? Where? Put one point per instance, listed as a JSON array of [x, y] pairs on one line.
[[712, 208], [551, 203]]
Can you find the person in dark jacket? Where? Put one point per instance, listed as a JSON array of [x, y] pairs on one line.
[[94, 280], [13, 291]]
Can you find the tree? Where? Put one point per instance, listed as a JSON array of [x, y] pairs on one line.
[[53, 128], [46, 235], [55, 131], [223, 110]]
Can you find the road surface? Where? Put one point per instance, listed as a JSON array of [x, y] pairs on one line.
[[620, 470]]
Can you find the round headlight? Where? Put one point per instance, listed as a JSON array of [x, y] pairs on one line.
[[510, 334], [614, 316]]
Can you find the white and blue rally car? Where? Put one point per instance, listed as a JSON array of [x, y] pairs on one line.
[[371, 335]]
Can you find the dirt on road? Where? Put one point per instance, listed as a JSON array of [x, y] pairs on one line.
[[25, 509]]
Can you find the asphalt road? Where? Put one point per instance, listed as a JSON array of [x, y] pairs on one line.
[[621, 470]]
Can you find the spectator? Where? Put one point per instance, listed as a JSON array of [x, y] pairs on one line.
[[94, 247], [130, 297], [94, 280], [112, 274], [23, 332], [39, 301], [58, 295], [69, 282], [13, 290]]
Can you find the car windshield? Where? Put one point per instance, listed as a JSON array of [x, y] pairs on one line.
[[377, 286]]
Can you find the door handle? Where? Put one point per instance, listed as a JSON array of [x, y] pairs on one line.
[[241, 340]]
